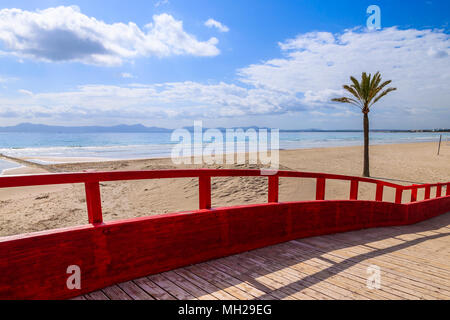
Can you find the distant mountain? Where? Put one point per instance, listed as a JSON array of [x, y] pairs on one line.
[[123, 128], [191, 128], [30, 127]]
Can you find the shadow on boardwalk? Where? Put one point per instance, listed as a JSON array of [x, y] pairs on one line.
[[414, 264]]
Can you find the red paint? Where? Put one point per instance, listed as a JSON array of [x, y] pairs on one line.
[[93, 201], [379, 192], [414, 194], [273, 189], [427, 192], [320, 189], [438, 190], [204, 188], [34, 266], [354, 190], [398, 195]]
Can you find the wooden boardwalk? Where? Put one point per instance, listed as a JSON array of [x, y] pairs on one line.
[[414, 262]]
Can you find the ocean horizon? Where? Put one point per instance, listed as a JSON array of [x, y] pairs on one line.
[[119, 146]]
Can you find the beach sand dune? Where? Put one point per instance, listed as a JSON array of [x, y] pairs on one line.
[[30, 209]]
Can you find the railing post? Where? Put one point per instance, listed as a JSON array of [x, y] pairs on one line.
[[93, 202], [398, 195], [438, 190], [204, 189], [427, 192], [414, 193], [320, 189], [379, 192], [354, 190], [273, 189]]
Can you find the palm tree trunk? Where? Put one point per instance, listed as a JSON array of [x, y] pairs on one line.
[[366, 145]]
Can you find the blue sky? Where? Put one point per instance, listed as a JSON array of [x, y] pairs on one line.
[[268, 63]]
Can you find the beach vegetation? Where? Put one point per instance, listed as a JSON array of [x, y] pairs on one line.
[[364, 94]]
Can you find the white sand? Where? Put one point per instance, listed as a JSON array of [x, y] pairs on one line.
[[47, 207]]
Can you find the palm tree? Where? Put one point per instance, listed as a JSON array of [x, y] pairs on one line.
[[364, 95]]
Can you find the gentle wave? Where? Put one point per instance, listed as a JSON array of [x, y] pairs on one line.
[[36, 147], [6, 165]]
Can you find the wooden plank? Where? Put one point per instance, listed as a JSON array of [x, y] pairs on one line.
[[97, 295], [115, 293], [278, 283], [205, 285], [134, 291], [422, 257], [272, 284], [275, 260], [153, 289], [258, 288], [190, 287], [387, 264], [227, 283], [171, 287], [402, 257], [350, 270], [359, 269], [244, 292], [339, 269], [303, 281], [280, 258]]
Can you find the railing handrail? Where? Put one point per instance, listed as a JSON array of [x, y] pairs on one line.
[[106, 176], [93, 197]]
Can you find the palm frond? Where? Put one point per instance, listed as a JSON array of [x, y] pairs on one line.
[[365, 92], [377, 89], [385, 92], [351, 90], [348, 100], [356, 85]]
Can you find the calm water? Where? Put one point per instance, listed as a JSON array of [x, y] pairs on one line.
[[152, 145], [7, 165]]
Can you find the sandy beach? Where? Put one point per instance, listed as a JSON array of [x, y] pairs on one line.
[[32, 209]]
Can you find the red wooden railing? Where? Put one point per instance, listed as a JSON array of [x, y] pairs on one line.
[[91, 181], [33, 266]]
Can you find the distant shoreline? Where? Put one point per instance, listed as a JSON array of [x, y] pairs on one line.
[[139, 128], [43, 162]]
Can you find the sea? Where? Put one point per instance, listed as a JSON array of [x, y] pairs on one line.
[[111, 146]]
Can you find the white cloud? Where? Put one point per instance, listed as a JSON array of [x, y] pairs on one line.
[[161, 3], [66, 34], [317, 64], [211, 23], [126, 75], [6, 79], [311, 72], [178, 100], [25, 92]]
